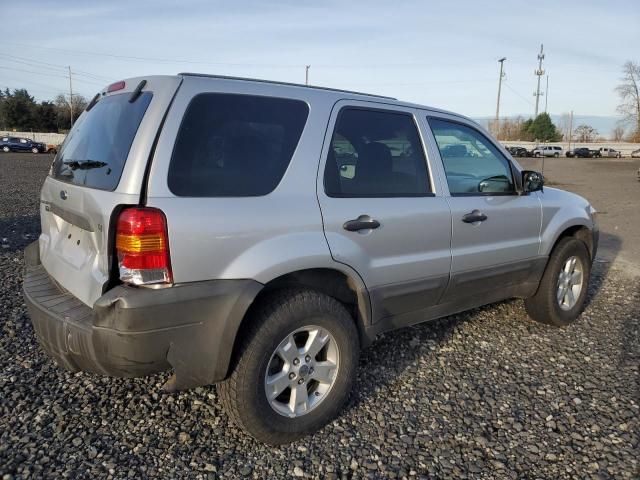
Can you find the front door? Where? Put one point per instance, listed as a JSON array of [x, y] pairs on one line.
[[382, 214], [495, 230]]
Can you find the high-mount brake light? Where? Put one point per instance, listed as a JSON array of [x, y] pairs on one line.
[[142, 245], [114, 87]]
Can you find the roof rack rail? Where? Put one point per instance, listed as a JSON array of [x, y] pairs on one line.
[[225, 77]]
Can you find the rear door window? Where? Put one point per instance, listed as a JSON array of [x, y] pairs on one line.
[[376, 153], [233, 145], [96, 149]]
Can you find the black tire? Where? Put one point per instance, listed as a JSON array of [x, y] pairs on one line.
[[243, 394], [544, 306], [556, 155]]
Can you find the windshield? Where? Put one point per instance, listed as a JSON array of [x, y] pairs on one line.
[[96, 149]]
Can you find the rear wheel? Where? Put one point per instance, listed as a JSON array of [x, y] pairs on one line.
[[295, 368], [563, 289]]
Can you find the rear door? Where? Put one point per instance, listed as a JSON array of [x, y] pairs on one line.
[[495, 231], [383, 212], [99, 167]]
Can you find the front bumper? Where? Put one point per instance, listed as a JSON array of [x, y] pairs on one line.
[[131, 332]]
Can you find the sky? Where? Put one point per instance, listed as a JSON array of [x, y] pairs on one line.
[[441, 54]]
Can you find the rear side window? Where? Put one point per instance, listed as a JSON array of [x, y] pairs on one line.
[[235, 145], [96, 149], [375, 153]]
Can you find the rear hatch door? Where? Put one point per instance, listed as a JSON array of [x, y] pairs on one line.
[[100, 166]]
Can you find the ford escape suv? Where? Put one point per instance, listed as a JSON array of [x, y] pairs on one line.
[[258, 234]]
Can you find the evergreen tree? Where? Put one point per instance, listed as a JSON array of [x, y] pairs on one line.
[[46, 117], [20, 110], [541, 129]]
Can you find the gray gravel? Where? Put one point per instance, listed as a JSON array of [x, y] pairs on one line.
[[485, 394]]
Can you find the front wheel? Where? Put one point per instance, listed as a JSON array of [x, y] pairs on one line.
[[563, 289], [556, 155], [6, 149], [35, 150], [295, 368]]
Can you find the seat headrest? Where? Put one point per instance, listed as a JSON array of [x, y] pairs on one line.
[[374, 159]]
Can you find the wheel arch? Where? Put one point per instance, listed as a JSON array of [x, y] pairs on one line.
[[343, 284], [581, 232]]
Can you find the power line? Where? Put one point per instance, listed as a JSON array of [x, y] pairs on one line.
[[514, 91], [152, 59], [31, 62], [51, 67], [32, 72], [51, 75], [166, 60]]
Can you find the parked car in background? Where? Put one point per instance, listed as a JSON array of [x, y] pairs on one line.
[[17, 144], [275, 231], [582, 152], [52, 148], [635, 154], [547, 151], [609, 152], [519, 152]]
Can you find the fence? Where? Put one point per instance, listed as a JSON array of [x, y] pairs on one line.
[[48, 138]]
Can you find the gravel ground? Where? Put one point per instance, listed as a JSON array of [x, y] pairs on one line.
[[485, 394]]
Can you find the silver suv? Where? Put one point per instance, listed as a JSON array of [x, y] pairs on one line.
[[547, 151], [257, 235]]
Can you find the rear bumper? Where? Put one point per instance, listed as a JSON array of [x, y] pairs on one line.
[[132, 332]]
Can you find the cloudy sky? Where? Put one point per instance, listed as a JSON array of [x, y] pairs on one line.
[[442, 54]]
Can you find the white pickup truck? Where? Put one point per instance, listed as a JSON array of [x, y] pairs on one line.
[[609, 152], [547, 151]]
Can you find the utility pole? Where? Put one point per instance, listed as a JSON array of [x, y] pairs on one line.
[[306, 74], [71, 96], [546, 95], [497, 127], [570, 128], [539, 72]]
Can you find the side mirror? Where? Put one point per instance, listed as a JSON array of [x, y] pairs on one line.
[[532, 181]]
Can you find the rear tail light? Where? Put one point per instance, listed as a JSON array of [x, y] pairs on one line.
[[142, 245]]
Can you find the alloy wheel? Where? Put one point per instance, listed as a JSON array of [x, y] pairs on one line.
[[301, 371], [570, 282]]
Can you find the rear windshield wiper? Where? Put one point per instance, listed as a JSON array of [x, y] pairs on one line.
[[84, 164]]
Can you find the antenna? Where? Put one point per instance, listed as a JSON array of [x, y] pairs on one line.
[[539, 72]]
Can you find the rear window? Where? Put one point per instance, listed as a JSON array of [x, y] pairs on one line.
[[235, 145], [96, 149]]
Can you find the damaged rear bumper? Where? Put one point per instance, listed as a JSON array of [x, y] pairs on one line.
[[132, 332]]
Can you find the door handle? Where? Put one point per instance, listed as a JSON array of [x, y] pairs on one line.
[[363, 222], [474, 216]]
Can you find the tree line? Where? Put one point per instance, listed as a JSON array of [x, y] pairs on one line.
[[542, 129], [19, 111]]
